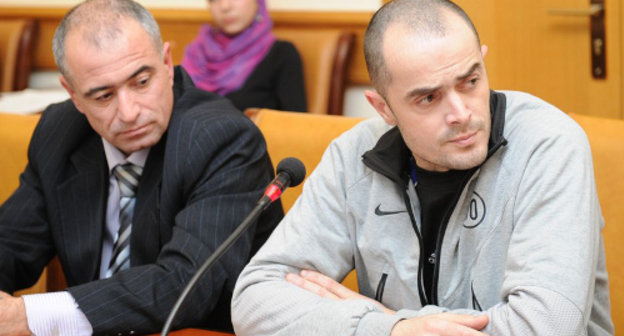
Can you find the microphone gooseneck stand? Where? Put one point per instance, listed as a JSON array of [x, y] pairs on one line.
[[251, 218], [290, 172]]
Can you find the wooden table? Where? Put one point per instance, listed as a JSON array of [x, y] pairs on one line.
[[196, 332]]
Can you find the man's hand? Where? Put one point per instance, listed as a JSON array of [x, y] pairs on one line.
[[445, 324], [13, 320], [327, 287]]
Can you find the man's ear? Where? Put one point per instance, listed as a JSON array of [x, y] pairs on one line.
[[70, 90], [382, 107], [168, 60], [484, 50]]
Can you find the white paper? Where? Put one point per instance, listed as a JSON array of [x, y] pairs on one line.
[[30, 100]]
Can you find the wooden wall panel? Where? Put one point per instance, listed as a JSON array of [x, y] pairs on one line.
[[548, 55]]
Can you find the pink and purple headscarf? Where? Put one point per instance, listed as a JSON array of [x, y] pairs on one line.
[[221, 63]]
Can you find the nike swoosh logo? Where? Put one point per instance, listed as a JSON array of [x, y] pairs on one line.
[[380, 212]]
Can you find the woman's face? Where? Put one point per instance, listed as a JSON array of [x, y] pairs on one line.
[[233, 16]]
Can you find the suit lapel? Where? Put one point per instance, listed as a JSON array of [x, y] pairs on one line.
[[82, 200], [145, 239]]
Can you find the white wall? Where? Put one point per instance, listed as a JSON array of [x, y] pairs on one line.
[[355, 104], [346, 5], [320, 5]]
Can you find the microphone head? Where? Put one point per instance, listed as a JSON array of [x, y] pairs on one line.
[[294, 168]]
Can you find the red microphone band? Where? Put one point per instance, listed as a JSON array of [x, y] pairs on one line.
[[274, 191]]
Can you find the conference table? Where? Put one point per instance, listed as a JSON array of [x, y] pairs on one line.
[[196, 332]]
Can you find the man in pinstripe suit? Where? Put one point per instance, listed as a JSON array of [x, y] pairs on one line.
[[203, 167]]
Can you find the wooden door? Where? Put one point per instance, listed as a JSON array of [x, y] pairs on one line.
[[549, 55]]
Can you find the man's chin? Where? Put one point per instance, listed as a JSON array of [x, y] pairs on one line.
[[135, 146], [467, 161]]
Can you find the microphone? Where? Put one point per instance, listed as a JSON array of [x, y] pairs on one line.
[[290, 173]]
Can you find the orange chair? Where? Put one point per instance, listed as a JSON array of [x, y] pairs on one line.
[[606, 137], [324, 54], [16, 47], [15, 133], [304, 136], [301, 135]]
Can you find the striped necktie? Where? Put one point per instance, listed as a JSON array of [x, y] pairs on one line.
[[127, 176]]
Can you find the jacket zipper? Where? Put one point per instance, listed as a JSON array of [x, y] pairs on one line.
[[421, 290], [475, 302], [380, 288], [441, 232], [373, 164]]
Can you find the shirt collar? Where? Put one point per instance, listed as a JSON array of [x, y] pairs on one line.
[[114, 156]]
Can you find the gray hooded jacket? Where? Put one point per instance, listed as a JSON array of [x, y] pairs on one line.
[[523, 243]]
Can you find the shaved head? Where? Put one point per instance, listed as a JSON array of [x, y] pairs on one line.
[[427, 18]]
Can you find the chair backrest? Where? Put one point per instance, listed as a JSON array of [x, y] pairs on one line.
[[324, 55], [301, 135], [16, 48], [606, 137], [304, 136], [15, 133]]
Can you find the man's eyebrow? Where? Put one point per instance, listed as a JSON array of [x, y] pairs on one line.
[[427, 90], [421, 91], [140, 70], [95, 90], [470, 71]]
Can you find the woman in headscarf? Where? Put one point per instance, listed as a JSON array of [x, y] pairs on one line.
[[239, 58]]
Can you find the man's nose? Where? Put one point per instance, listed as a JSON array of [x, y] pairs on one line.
[[127, 107], [458, 112]]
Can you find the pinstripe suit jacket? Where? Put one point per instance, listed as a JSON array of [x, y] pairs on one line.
[[199, 182]]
